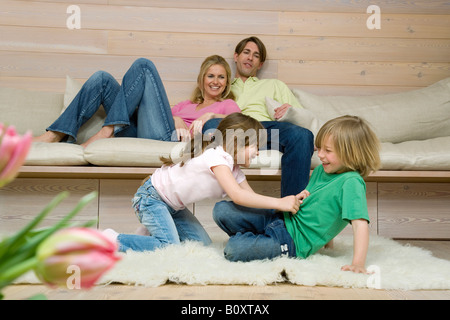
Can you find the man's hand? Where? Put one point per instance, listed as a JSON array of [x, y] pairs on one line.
[[281, 111]]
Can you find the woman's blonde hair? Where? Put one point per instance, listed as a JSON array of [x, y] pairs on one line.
[[355, 143], [234, 132], [198, 94]]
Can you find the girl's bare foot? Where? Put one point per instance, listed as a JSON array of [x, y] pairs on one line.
[[104, 133], [142, 231], [50, 137]]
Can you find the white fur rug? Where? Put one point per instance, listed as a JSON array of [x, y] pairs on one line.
[[395, 266]]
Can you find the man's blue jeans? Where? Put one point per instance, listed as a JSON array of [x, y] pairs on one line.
[[138, 108], [255, 234], [296, 144], [166, 225]]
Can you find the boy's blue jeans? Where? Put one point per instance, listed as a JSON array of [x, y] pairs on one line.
[[138, 108], [255, 234], [166, 225]]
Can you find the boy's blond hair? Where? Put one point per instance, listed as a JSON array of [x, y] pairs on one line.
[[355, 143]]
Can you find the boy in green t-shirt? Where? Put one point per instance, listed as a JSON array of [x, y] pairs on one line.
[[334, 197]]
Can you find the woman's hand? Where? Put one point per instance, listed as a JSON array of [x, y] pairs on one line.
[[197, 125], [182, 129]]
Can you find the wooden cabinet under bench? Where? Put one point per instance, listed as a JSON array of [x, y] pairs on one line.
[[402, 204]]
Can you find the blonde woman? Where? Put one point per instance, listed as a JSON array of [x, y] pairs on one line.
[[334, 197], [139, 106]]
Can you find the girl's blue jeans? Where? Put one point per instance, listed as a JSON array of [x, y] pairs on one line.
[[137, 108], [166, 225], [255, 234]]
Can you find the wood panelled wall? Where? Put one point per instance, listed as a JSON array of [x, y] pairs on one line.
[[321, 46]]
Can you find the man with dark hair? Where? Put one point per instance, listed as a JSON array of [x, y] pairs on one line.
[[296, 143]]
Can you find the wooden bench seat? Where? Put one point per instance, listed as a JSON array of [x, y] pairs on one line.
[[95, 172]]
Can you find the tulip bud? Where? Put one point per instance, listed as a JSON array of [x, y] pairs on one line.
[[86, 250], [13, 151]]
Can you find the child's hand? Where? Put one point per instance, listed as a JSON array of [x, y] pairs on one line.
[[290, 204], [303, 195], [355, 269]]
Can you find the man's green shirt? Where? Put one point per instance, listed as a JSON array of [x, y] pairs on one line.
[[251, 96]]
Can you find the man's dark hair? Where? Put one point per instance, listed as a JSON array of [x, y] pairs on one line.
[[261, 47]]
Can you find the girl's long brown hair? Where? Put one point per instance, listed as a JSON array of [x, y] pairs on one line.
[[235, 131]]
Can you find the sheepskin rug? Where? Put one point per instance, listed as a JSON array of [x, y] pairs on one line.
[[393, 266]]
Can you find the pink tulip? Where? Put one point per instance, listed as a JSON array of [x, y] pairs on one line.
[[68, 250], [13, 151]]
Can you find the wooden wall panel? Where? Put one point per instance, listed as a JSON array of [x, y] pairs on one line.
[[323, 46], [389, 6], [362, 73], [354, 25], [37, 39]]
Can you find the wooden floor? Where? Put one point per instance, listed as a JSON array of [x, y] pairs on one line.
[[440, 249]]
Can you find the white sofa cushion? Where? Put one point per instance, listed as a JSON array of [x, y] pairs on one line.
[[146, 152], [414, 115], [431, 154], [55, 154], [125, 152]]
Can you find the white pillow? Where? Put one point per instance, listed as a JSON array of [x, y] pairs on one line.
[[29, 110], [93, 125], [301, 117], [414, 115], [72, 89]]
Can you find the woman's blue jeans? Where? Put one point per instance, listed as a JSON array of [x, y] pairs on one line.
[[166, 225], [255, 234], [138, 108]]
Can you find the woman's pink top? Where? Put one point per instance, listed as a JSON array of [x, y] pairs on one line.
[[186, 110]]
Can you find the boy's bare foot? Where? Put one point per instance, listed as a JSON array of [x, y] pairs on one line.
[[50, 137], [104, 133]]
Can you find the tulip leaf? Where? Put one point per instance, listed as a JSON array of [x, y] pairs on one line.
[[17, 253], [12, 273]]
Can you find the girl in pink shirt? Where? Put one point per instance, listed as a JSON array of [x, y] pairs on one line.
[[139, 106], [206, 170]]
